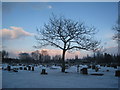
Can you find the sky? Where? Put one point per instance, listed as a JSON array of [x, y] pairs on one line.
[[20, 20]]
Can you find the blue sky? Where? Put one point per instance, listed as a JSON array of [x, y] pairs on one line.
[[30, 15]]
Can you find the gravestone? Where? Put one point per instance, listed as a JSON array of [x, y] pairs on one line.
[[33, 68], [117, 73], [15, 70], [44, 71], [89, 66], [96, 69], [21, 68], [29, 68], [25, 68], [115, 67], [93, 66], [8, 67], [84, 71]]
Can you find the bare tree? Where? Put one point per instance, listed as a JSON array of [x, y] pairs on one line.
[[45, 56], [5, 54], [24, 56], [36, 55], [66, 35]]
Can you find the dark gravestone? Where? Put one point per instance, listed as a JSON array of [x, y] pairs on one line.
[[15, 70], [44, 71], [89, 66], [29, 68], [93, 66], [84, 71], [117, 73], [21, 68], [108, 65], [115, 67], [32, 68], [8, 68], [96, 69], [25, 68]]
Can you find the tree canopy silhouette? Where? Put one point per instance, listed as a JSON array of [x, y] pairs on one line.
[[66, 34]]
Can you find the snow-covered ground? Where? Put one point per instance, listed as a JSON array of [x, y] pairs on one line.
[[0, 76], [56, 79]]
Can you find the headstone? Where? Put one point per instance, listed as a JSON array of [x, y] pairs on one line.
[[21, 68], [117, 73], [14, 70], [115, 67], [25, 68], [108, 65], [8, 68], [89, 66], [33, 68], [96, 69], [29, 68], [44, 71], [84, 71], [93, 66]]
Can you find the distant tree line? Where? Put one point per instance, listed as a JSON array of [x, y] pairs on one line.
[[39, 58], [34, 57], [98, 58]]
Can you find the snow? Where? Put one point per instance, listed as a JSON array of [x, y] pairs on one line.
[[84, 66], [0, 79], [55, 67], [56, 79]]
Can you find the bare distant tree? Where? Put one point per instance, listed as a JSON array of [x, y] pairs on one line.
[[56, 57], [24, 56], [45, 56], [66, 35], [36, 55], [5, 54]]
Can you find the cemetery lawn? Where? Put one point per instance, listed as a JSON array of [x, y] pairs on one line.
[[56, 79]]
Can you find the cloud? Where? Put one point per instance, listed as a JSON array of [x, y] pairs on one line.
[[13, 33], [41, 6], [53, 52], [49, 6]]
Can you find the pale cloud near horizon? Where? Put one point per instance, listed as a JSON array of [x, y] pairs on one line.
[[52, 52], [42, 6], [14, 33]]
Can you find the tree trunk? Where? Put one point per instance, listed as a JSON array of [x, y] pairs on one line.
[[63, 61]]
